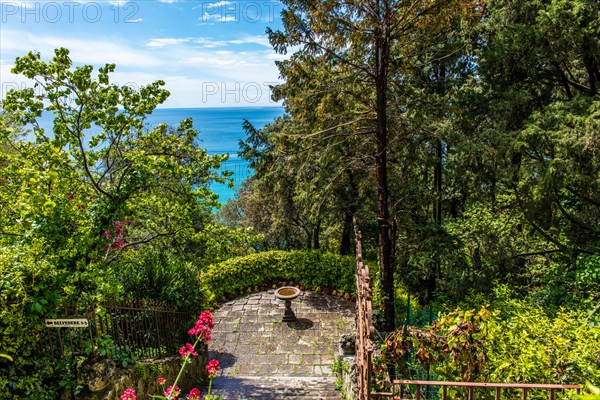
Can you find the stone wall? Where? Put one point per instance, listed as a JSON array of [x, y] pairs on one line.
[[104, 380]]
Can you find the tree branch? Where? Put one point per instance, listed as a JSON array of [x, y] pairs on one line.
[[12, 234]]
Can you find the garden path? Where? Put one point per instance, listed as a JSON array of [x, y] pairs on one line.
[[264, 358]]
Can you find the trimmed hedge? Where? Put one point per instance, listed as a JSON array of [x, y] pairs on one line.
[[311, 269]]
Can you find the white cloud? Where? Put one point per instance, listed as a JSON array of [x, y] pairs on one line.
[[168, 1], [209, 42], [223, 71], [82, 50], [218, 4], [186, 92], [163, 42], [277, 56], [218, 18], [135, 21], [260, 40]]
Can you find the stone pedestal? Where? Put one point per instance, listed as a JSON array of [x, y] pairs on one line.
[[287, 294], [288, 314]]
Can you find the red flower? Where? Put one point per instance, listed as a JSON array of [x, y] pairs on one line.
[[212, 368], [188, 349], [203, 326], [161, 380], [194, 394], [172, 392], [128, 394], [207, 319], [119, 243]]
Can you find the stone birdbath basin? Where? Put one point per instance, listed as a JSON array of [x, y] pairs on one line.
[[288, 293]]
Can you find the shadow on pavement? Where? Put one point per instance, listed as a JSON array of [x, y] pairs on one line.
[[301, 324]]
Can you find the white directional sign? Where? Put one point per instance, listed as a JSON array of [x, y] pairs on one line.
[[67, 323]]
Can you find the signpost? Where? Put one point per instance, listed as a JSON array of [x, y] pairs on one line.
[[67, 323]]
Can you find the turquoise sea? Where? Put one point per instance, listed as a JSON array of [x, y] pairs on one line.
[[220, 130]]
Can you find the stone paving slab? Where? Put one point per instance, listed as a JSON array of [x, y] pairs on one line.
[[275, 388], [253, 345]]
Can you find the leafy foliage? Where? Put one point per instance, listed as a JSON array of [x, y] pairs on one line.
[[510, 341], [311, 269], [159, 276], [100, 193], [482, 116]]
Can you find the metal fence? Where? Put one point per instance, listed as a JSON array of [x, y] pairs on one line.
[[364, 322], [117, 329]]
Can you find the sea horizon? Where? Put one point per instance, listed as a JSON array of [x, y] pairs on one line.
[[219, 132]]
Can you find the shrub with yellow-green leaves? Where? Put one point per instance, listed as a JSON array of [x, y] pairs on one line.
[[311, 269], [511, 341]]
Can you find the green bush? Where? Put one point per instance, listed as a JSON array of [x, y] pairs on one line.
[[156, 275], [527, 345], [312, 269], [512, 341], [26, 294]]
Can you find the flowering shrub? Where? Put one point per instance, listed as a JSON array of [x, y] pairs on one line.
[[128, 394], [212, 368], [194, 394], [187, 349], [79, 207], [202, 331], [116, 237], [171, 392]]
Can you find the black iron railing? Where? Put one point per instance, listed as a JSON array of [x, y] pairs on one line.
[[117, 329]]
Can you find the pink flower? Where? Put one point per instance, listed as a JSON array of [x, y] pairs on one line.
[[212, 368], [161, 381], [190, 349], [172, 392], [194, 394], [128, 394], [207, 319], [203, 326], [187, 349], [119, 243]]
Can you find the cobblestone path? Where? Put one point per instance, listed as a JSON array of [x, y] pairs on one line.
[[264, 358]]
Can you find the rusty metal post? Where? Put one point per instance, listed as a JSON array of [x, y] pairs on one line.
[[364, 321]]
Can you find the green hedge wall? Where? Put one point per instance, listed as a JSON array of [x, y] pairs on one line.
[[311, 269]]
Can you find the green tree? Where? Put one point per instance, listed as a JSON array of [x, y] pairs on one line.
[[525, 154], [366, 43], [155, 181], [100, 193]]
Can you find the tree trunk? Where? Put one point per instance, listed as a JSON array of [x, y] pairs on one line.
[[346, 242], [437, 215], [316, 236], [437, 178], [349, 213], [382, 48]]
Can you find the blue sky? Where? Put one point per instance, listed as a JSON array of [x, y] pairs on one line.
[[210, 53]]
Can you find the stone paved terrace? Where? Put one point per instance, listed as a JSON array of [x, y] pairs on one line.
[[264, 358]]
